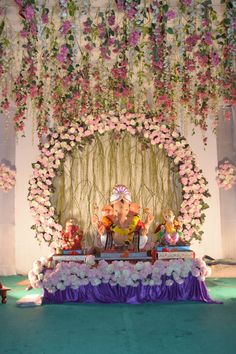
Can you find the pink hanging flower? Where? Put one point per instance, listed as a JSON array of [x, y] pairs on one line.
[[44, 18], [88, 47], [207, 38], [215, 59], [24, 33], [62, 55], [170, 15], [28, 13], [134, 38], [33, 91], [131, 12], [186, 2], [111, 20], [66, 26]]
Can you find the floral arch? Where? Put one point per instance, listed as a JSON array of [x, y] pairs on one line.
[[64, 139]]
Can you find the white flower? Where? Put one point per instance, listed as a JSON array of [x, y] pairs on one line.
[[139, 265], [169, 282], [126, 272], [146, 281], [95, 281], [61, 285], [81, 274], [135, 276], [90, 260]]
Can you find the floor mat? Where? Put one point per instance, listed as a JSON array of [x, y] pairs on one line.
[[153, 328]]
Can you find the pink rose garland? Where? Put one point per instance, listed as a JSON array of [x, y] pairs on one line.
[[226, 175], [66, 138], [7, 178]]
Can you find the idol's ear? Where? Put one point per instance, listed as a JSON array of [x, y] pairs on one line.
[[107, 210], [134, 208]]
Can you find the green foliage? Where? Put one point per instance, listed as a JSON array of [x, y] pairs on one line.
[[71, 5], [2, 27], [170, 30]]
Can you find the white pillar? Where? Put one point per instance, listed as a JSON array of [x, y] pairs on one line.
[[206, 158], [27, 248], [7, 206]]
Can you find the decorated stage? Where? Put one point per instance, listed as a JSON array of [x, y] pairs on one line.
[[191, 289], [100, 281]]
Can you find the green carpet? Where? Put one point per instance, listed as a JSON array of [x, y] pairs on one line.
[[186, 327]]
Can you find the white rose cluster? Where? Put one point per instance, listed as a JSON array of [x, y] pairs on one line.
[[122, 273]]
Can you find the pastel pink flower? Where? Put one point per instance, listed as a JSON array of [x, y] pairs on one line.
[[134, 38], [66, 26], [28, 12], [170, 15]]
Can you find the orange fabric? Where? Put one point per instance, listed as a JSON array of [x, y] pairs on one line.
[[107, 222]]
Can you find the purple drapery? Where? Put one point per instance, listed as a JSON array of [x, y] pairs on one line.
[[191, 289]]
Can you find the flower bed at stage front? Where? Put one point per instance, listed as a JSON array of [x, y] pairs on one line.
[[122, 273], [121, 281]]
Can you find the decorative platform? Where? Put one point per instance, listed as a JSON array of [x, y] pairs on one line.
[[133, 281], [192, 289], [174, 253]]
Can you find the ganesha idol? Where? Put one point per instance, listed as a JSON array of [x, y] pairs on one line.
[[121, 227]]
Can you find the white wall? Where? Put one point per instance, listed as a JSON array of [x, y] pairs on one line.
[[7, 206], [207, 160], [226, 143], [27, 248]]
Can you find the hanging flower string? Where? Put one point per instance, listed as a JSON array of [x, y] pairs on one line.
[[6, 61], [226, 175], [227, 33], [169, 62], [65, 139], [25, 86], [7, 178]]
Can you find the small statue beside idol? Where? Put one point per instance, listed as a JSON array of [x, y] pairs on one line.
[[170, 231], [72, 235]]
